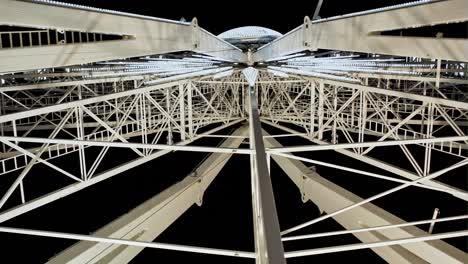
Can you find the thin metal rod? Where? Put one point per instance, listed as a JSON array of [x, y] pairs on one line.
[[284, 135], [126, 145], [193, 249], [317, 10], [318, 251], [223, 136], [367, 144], [353, 231]]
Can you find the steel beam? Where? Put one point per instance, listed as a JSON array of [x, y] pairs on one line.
[[126, 144], [360, 32], [268, 245], [143, 36], [365, 144], [125, 242]]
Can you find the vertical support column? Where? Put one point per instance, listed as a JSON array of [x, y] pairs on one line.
[[21, 186], [266, 96], [149, 115], [353, 108], [138, 111], [240, 108], [423, 112], [428, 149], [190, 108], [243, 102], [268, 245], [2, 112], [362, 116], [80, 135], [168, 109], [439, 64], [320, 111], [312, 108], [15, 132], [335, 104], [182, 111], [143, 122], [116, 103], [386, 100]]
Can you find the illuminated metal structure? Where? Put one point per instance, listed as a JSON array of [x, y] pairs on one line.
[[84, 81]]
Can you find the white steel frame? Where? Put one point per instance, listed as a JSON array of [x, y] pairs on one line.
[[53, 109]]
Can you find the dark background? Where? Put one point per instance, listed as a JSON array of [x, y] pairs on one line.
[[224, 220]]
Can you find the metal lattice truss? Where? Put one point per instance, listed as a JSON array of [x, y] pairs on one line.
[[93, 81]]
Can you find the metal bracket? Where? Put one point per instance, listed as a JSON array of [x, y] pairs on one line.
[[200, 192], [195, 34], [302, 188], [307, 32]]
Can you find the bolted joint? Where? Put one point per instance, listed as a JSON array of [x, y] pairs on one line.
[[201, 191], [302, 188], [307, 27]]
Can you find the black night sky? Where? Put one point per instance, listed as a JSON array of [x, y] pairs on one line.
[[224, 220]]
